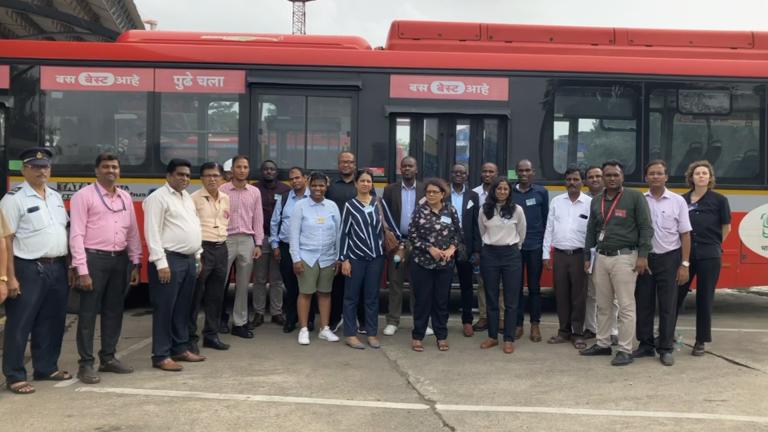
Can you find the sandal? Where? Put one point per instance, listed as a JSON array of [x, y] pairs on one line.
[[442, 345], [59, 375], [417, 346], [579, 344], [20, 387]]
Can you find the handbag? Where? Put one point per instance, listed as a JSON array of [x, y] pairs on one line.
[[389, 240]]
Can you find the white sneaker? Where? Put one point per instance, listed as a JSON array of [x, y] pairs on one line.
[[304, 336], [328, 335], [390, 330], [429, 331]]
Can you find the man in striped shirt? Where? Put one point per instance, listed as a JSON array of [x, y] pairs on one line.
[[245, 234]]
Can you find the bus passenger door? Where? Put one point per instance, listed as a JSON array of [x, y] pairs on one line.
[[438, 142]]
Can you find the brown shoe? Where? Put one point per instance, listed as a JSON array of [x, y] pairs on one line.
[[168, 365], [189, 356], [535, 333], [508, 348], [480, 325], [489, 343], [518, 332], [468, 330]]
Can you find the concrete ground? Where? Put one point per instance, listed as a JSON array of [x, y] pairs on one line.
[[270, 383]]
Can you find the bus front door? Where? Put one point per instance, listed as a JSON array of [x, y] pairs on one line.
[[439, 141]]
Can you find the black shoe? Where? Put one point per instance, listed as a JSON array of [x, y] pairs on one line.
[[241, 331], [115, 366], [621, 359], [596, 350], [87, 374], [258, 320], [216, 344], [224, 327], [289, 327], [589, 334], [667, 359], [643, 351], [194, 348], [278, 319], [614, 340], [698, 349]]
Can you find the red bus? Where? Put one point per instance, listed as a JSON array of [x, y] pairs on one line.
[[442, 92]]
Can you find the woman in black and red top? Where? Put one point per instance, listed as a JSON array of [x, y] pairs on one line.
[[435, 236], [711, 221]]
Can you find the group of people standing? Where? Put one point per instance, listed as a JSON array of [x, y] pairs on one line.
[[321, 246]]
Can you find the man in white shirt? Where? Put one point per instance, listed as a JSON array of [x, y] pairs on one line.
[[488, 173], [174, 239], [565, 233]]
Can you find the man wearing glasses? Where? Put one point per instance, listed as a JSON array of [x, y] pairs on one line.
[[106, 252]]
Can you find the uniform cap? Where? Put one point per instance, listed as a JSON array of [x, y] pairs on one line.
[[36, 156]]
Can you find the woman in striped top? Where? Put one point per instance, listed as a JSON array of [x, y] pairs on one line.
[[362, 258]]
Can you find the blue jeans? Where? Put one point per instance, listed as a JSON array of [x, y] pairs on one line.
[[532, 264], [41, 310], [172, 304], [365, 280]]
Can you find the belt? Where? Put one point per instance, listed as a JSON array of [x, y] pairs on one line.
[[570, 251], [178, 254], [624, 251], [106, 252], [45, 260], [674, 251], [214, 244]]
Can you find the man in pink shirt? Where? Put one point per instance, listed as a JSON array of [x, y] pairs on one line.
[[245, 234], [104, 241]]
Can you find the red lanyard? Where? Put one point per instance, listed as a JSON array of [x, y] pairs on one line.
[[607, 217]]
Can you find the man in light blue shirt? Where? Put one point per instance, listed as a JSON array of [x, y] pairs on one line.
[[279, 237], [314, 248]]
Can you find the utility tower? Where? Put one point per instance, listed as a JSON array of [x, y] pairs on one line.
[[299, 16]]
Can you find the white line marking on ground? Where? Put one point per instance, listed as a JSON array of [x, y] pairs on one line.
[[716, 329], [599, 412], [254, 398], [135, 347], [421, 406]]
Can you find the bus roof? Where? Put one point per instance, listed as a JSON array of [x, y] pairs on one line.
[[427, 45]]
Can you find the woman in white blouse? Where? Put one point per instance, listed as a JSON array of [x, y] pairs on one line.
[[502, 228]]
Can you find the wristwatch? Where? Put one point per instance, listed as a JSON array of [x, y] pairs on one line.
[[3, 278], [685, 264]]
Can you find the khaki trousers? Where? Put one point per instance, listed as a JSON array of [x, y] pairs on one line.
[[615, 278], [590, 319], [240, 248]]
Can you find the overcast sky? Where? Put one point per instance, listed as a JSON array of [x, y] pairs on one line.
[[371, 18]]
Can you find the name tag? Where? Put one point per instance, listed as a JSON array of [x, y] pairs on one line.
[[320, 220], [445, 219], [620, 213], [369, 209], [530, 201]]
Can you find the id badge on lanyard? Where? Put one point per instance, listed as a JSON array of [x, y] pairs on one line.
[[607, 217]]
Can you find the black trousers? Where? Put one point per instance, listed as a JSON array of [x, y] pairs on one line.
[[41, 310], [110, 276], [532, 263], [172, 303], [291, 294], [210, 287], [660, 285], [501, 263], [707, 272], [431, 289], [464, 272], [570, 283]]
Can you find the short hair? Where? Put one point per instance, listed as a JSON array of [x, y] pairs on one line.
[[211, 165], [345, 152], [175, 163], [590, 168], [613, 163], [106, 157], [438, 183], [268, 161], [692, 167], [523, 160], [571, 170], [363, 171], [318, 175], [409, 158], [655, 162], [238, 157], [299, 169]]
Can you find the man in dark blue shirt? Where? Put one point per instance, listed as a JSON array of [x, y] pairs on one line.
[[534, 200]]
